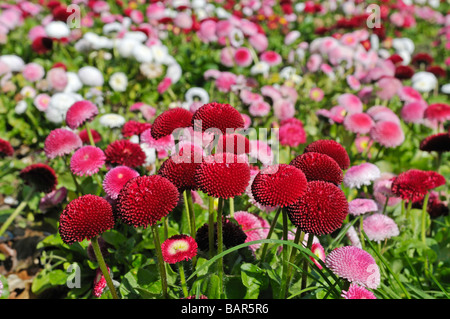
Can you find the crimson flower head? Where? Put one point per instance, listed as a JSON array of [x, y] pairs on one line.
[[319, 167], [61, 142], [178, 248], [223, 175], [321, 210], [79, 113], [125, 152], [145, 200], [331, 148], [83, 134], [5, 149], [84, 218], [439, 142], [40, 176], [439, 112], [278, 185], [217, 115], [42, 45], [414, 184], [234, 143], [170, 120], [131, 128]]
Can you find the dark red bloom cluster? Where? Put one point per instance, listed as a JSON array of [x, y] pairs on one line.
[[5, 148], [124, 152], [131, 128], [85, 137], [439, 112], [321, 210], [439, 142], [404, 72], [233, 235], [319, 167], [414, 184], [217, 115], [233, 143], [421, 58], [331, 148], [435, 207], [42, 45], [437, 70], [40, 176], [279, 185], [223, 175], [84, 218], [170, 120], [145, 200]]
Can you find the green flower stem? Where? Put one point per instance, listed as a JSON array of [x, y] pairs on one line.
[[299, 236], [77, 186], [16, 212], [220, 245], [306, 262], [232, 207], [103, 267], [89, 133], [284, 289], [211, 226], [361, 227], [188, 215], [183, 279], [272, 228], [161, 264], [424, 228], [385, 204]]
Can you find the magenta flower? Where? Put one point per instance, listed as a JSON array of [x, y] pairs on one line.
[[358, 123], [61, 142], [116, 178], [350, 102], [357, 292], [354, 264], [252, 227], [87, 161]]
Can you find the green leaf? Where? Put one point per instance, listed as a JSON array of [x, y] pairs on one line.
[[254, 278], [58, 277]]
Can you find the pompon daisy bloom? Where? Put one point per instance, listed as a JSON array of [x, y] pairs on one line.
[[414, 184], [357, 292], [331, 148], [360, 123], [40, 176], [379, 227], [439, 143], [387, 134], [178, 248], [5, 148], [124, 152], [99, 283], [61, 142], [79, 113], [354, 264], [362, 174], [353, 237], [270, 186], [317, 166], [321, 210], [360, 206], [87, 160], [317, 250], [145, 200], [350, 102], [217, 115], [89, 210], [252, 227], [168, 121], [116, 178]]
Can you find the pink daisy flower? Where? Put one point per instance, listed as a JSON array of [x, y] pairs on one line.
[[178, 248], [272, 58], [116, 178], [61, 142], [225, 81], [259, 42], [317, 250], [259, 109], [42, 101], [249, 97], [413, 112], [87, 160], [382, 113], [161, 144], [379, 227], [361, 206], [362, 174], [316, 94], [353, 82], [362, 143], [292, 135], [252, 227], [33, 72], [382, 189], [387, 133], [350, 102], [408, 94], [79, 113], [353, 237], [243, 57], [360, 123], [283, 109], [354, 264], [357, 292]]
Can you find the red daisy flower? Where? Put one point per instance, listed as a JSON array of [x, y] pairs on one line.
[[87, 160], [178, 248], [145, 200], [414, 184], [278, 185], [79, 113], [319, 167], [40, 176], [421, 58], [5, 148], [85, 137], [223, 175], [217, 115], [170, 120], [124, 152], [84, 218], [131, 128], [234, 143], [331, 148], [439, 142], [321, 210], [404, 72], [42, 45], [439, 112], [61, 142]]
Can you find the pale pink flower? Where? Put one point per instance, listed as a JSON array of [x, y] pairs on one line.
[[362, 174], [350, 102], [387, 134], [249, 97], [379, 227], [316, 94], [408, 94], [389, 86], [41, 101], [360, 206], [183, 20], [252, 227], [207, 31], [57, 79], [272, 58], [413, 112], [314, 62], [353, 82], [260, 108], [259, 42], [283, 109], [357, 292], [225, 81], [33, 72]]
